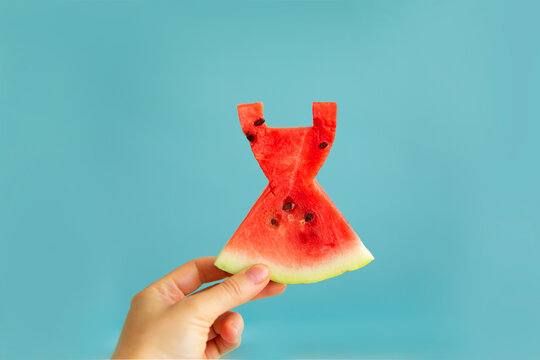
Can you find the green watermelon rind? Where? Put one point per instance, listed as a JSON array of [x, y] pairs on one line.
[[233, 261]]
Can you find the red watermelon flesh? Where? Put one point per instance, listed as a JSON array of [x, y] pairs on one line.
[[293, 228]]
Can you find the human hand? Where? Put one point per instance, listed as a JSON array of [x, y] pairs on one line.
[[163, 322]]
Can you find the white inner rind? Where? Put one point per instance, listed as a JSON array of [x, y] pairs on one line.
[[234, 261]]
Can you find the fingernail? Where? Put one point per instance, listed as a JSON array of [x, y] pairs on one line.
[[257, 274]]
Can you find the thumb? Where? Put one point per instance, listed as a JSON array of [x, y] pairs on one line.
[[236, 290]]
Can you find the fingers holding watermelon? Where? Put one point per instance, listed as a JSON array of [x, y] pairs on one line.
[[164, 322], [234, 291], [188, 278], [272, 289]]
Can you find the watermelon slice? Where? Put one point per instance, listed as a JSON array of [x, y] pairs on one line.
[[293, 228]]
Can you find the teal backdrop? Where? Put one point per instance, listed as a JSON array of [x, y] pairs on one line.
[[122, 157]]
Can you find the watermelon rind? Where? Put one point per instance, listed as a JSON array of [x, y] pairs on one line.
[[233, 261]]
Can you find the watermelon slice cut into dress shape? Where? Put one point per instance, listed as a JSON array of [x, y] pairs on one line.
[[293, 228]]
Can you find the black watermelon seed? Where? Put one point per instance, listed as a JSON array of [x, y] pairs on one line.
[[274, 222], [288, 206], [309, 217], [323, 145], [259, 122], [250, 137]]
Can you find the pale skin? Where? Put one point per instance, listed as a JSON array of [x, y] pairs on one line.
[[169, 320]]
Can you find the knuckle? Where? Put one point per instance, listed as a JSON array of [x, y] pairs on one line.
[[138, 298], [232, 288]]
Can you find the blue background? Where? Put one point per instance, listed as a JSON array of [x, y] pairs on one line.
[[121, 157]]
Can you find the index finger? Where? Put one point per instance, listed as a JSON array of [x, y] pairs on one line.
[[189, 277]]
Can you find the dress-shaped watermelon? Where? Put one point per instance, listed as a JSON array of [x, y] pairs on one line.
[[293, 228]]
